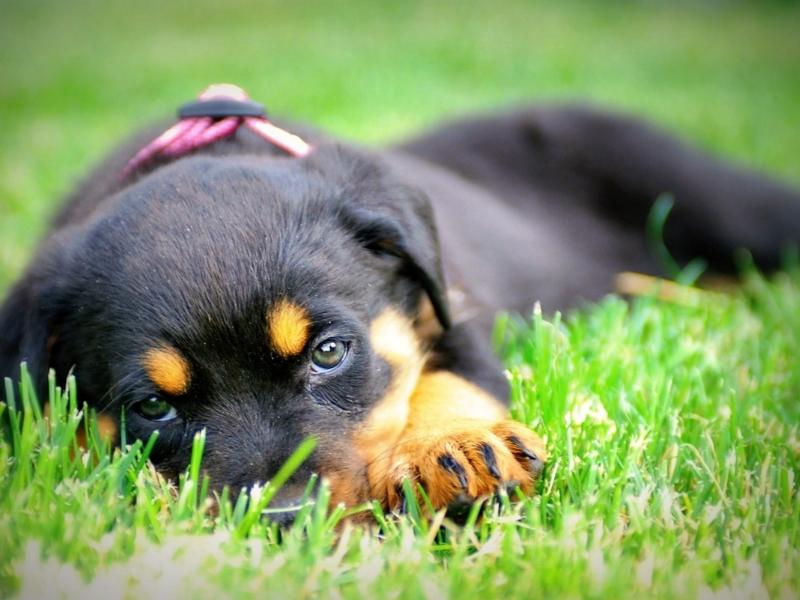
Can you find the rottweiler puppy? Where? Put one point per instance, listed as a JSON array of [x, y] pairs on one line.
[[347, 293]]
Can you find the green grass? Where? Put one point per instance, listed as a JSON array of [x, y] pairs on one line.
[[674, 443], [673, 429]]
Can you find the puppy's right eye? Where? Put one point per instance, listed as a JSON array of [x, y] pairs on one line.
[[328, 355], [155, 409]]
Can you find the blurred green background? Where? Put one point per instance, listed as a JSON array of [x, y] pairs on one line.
[[76, 77]]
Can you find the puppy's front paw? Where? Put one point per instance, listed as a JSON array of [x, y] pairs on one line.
[[463, 461]]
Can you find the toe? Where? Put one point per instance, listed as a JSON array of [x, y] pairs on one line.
[[448, 463], [396, 497], [490, 460], [528, 449], [526, 455], [446, 475], [494, 464]]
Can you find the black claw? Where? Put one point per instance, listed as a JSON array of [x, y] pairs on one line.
[[398, 489], [449, 463], [522, 448], [535, 463], [490, 459]]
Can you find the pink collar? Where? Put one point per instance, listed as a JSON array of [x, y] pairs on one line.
[[218, 112]]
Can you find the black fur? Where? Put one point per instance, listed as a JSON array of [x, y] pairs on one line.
[[539, 204]]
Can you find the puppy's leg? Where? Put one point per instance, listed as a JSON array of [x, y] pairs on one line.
[[460, 444], [457, 439], [616, 167], [718, 209]]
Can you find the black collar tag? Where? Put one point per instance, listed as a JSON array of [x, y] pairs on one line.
[[219, 108]]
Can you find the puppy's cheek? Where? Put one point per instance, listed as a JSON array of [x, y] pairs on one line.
[[345, 471], [362, 454], [107, 430], [395, 341], [172, 450], [348, 488]]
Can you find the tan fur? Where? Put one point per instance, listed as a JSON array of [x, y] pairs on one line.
[[417, 459], [348, 487], [414, 425], [288, 328], [106, 427], [431, 431], [639, 284], [168, 369], [437, 393], [426, 325], [393, 339]]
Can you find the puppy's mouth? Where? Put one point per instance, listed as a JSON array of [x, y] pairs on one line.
[[284, 511], [283, 508]]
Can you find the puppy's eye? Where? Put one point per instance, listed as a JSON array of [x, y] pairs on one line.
[[328, 354], [155, 409]]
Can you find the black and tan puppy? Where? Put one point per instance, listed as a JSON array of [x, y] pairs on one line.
[[347, 294]]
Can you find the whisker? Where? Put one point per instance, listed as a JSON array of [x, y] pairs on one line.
[[120, 387]]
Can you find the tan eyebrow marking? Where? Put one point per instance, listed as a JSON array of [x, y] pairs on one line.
[[168, 369], [289, 326]]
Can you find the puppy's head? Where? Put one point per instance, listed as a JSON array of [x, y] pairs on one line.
[[263, 300]]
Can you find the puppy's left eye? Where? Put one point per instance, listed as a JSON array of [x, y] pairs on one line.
[[328, 354], [155, 409]]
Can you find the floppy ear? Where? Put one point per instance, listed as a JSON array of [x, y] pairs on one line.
[[386, 215], [28, 319], [23, 338], [404, 228], [12, 317]]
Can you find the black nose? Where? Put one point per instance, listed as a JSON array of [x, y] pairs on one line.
[[283, 510], [283, 519], [284, 507]]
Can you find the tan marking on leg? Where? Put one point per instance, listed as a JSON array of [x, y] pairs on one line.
[[168, 369], [439, 392], [449, 416], [423, 416], [289, 326], [416, 407]]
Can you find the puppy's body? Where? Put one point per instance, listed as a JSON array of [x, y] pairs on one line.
[[207, 292], [557, 200]]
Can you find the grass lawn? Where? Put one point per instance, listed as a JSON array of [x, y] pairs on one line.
[[673, 429]]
